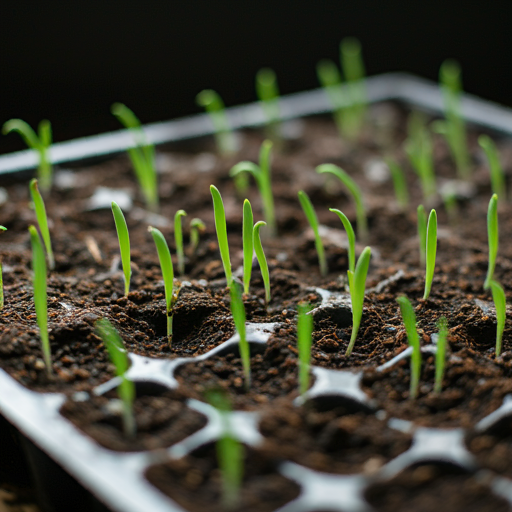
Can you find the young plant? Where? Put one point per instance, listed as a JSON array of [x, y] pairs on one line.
[[42, 221], [442, 338], [238, 312], [247, 242], [399, 184], [492, 234], [351, 239], [304, 342], [196, 226], [261, 175], [142, 156], [260, 255], [119, 357], [124, 244], [2, 228], [313, 222], [268, 93], [355, 191], [496, 171], [40, 143], [40, 296], [222, 234], [409, 318], [431, 249], [422, 232], [178, 240], [498, 296]]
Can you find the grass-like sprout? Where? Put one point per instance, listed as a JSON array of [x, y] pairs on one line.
[[178, 240], [40, 295], [492, 234], [164, 256], [196, 226], [498, 296], [238, 312], [399, 183], [304, 342], [40, 143], [442, 339], [2, 228], [422, 232], [124, 244], [261, 174], [313, 222], [247, 241], [409, 318], [262, 260], [268, 93], [355, 191], [351, 238], [42, 221], [496, 171], [142, 156], [119, 357], [431, 249], [222, 234], [357, 283]]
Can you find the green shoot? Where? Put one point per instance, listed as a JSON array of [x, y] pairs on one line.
[[247, 242], [330, 79], [355, 191], [119, 357], [42, 221], [422, 232], [497, 176], [399, 184], [357, 283], [409, 318], [142, 156], [40, 297], [351, 239], [238, 312], [40, 143], [498, 296], [492, 234], [313, 222], [431, 249], [260, 255], [222, 235], [124, 244], [268, 93], [196, 226], [2, 228], [442, 338], [261, 175], [304, 342], [178, 240], [164, 256]]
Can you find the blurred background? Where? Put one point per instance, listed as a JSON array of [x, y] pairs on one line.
[[69, 61]]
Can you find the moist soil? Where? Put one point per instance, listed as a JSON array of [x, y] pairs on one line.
[[338, 437]]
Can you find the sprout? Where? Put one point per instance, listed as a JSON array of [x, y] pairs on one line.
[[268, 94], [42, 221], [399, 184], [247, 240], [422, 232], [355, 191], [196, 226], [498, 296], [164, 256], [119, 357], [351, 239], [238, 312], [313, 222], [261, 174], [124, 244], [2, 228], [142, 156], [304, 342], [40, 143], [442, 338], [40, 299], [178, 240], [431, 247], [492, 234], [260, 255], [497, 176], [222, 235]]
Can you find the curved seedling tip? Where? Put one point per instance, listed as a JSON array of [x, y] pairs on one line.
[[197, 223], [125, 115], [25, 130], [351, 238], [209, 98], [245, 166]]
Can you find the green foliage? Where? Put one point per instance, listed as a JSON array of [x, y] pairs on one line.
[[42, 221], [498, 296], [247, 240], [431, 249], [2, 228], [399, 184], [492, 234], [142, 156], [496, 171], [238, 312], [268, 93], [442, 338], [422, 232], [178, 240], [304, 342], [124, 244], [196, 226], [260, 255], [222, 235], [351, 239]]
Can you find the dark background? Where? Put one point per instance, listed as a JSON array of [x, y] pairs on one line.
[[69, 61]]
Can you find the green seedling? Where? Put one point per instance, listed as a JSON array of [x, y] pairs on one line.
[[142, 156], [238, 312], [409, 318], [40, 296], [178, 240], [431, 249], [2, 228], [40, 143], [442, 338], [262, 260], [355, 191], [498, 296], [351, 239], [119, 357], [422, 232], [304, 342], [497, 176], [268, 93], [399, 184], [164, 256], [492, 234], [222, 234], [247, 241], [196, 226], [313, 222], [261, 175], [124, 244], [42, 221]]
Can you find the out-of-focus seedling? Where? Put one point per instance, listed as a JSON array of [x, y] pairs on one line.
[[238, 312], [178, 240], [399, 184], [422, 232], [262, 260], [196, 226], [268, 93], [442, 339], [124, 244], [304, 342], [222, 234], [247, 242], [42, 221], [431, 249], [496, 171], [492, 234]]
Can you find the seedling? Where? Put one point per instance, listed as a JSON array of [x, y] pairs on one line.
[[399, 184], [313, 222], [260, 255], [268, 93], [238, 312], [355, 191], [492, 234], [409, 318], [164, 256], [351, 238], [196, 226], [496, 171], [124, 244], [2, 228], [422, 232], [40, 297], [442, 337], [247, 241], [40, 143], [431, 249], [142, 156], [222, 235], [42, 221], [261, 175], [304, 342], [178, 240], [498, 296], [119, 357]]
